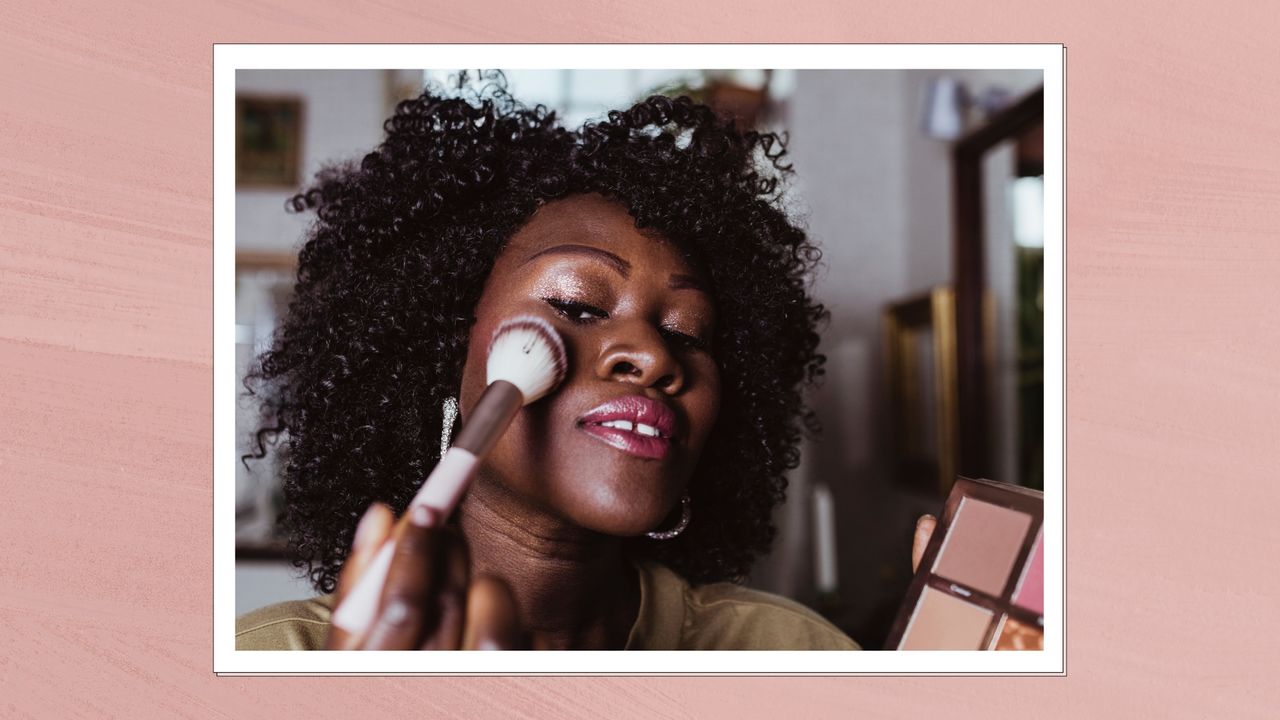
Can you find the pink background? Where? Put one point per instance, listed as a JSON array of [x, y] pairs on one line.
[[1173, 363]]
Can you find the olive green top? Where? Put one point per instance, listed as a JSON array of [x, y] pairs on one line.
[[673, 616]]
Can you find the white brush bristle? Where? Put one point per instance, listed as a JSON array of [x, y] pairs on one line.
[[528, 353]]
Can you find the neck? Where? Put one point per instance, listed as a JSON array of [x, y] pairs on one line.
[[573, 587]]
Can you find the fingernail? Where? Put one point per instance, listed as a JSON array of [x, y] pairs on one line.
[[364, 529], [422, 516], [395, 613]]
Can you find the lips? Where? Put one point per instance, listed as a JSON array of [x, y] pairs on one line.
[[633, 424]]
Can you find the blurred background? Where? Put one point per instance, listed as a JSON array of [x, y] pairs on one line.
[[924, 190]]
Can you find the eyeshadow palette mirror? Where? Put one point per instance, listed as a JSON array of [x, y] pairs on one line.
[[980, 585]]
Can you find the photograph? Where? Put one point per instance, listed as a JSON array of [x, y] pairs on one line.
[[611, 360], [634, 358]]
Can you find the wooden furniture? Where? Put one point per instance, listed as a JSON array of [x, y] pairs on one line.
[[974, 455], [920, 356]]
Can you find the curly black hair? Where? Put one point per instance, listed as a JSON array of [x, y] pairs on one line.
[[376, 334]]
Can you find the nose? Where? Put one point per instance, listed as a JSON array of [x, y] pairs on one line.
[[635, 352]]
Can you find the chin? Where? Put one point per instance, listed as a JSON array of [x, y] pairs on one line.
[[618, 494], [613, 503], [624, 522], [589, 483]]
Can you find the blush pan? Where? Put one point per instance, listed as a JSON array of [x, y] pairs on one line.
[[942, 622], [981, 580], [982, 546], [1030, 592]]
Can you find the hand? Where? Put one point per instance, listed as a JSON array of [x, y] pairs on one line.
[[428, 601], [924, 531]]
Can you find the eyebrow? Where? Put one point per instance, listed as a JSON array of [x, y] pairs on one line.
[[678, 281], [622, 266]]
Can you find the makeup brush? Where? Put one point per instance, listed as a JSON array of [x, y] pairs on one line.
[[526, 362]]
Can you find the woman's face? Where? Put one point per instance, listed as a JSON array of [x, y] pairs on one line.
[[613, 448]]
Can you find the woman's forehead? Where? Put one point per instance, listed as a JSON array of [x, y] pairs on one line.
[[590, 221]]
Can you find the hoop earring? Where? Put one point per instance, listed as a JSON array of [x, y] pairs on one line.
[[449, 411], [686, 512]]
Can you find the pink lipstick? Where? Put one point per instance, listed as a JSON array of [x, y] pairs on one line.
[[633, 424]]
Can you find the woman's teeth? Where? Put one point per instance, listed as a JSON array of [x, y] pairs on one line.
[[638, 428]]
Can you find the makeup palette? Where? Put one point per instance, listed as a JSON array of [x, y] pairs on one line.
[[980, 585]]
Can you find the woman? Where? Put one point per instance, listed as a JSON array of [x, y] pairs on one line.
[[654, 243]]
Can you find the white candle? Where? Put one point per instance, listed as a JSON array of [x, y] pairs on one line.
[[824, 539]]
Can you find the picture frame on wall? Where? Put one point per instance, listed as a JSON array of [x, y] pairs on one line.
[[268, 141]]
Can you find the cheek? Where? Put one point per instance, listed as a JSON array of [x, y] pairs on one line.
[[490, 312]]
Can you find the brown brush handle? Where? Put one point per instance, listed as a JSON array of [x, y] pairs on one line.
[[492, 414]]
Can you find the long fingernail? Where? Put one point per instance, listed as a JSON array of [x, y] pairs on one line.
[[422, 516], [364, 529]]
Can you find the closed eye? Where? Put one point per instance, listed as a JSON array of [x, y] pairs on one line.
[[582, 313], [691, 342], [575, 311]]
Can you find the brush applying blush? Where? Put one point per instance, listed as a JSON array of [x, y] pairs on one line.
[[526, 362]]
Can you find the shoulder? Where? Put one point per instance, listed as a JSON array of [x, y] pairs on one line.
[[726, 616], [295, 625]]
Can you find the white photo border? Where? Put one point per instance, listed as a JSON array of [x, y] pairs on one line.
[[228, 58]]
